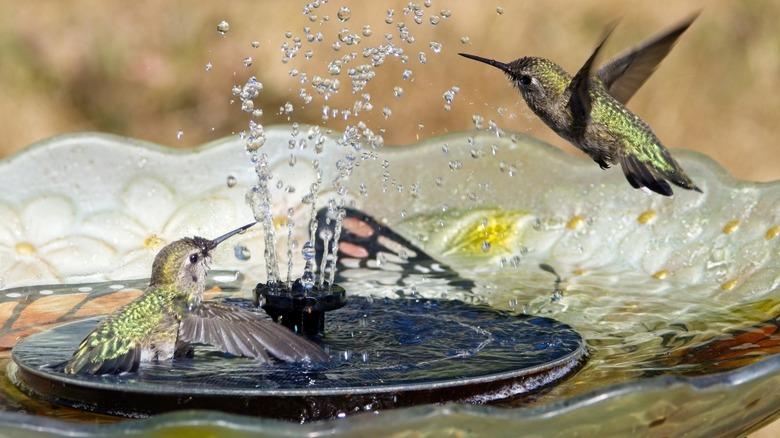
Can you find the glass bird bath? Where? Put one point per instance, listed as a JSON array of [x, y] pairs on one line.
[[676, 299]]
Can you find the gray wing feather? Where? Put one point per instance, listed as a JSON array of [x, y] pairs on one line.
[[244, 333], [580, 102], [625, 74]]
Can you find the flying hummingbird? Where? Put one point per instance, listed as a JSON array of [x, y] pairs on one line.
[[589, 109], [170, 315]]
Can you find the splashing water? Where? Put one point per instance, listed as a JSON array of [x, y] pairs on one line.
[[260, 200], [358, 58]]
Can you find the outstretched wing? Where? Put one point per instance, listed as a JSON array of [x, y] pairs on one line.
[[580, 102], [243, 333], [625, 74], [379, 252]]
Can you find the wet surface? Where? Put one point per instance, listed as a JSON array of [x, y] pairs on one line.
[[384, 347]]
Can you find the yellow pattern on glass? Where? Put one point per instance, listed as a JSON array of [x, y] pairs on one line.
[[661, 275], [646, 216], [24, 248], [731, 226], [493, 234], [575, 222], [153, 241]]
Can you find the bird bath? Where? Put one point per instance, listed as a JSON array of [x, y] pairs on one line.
[[676, 298]]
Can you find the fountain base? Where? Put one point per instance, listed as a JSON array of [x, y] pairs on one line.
[[384, 353], [299, 309]]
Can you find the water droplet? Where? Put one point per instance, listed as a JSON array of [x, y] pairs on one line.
[[248, 61], [398, 91], [435, 47], [343, 14], [307, 280], [449, 96], [387, 112], [485, 246], [223, 27], [231, 181], [209, 66], [255, 44], [326, 234], [465, 40], [422, 58], [242, 252], [367, 30], [407, 74], [434, 20], [499, 10], [179, 134], [308, 251]]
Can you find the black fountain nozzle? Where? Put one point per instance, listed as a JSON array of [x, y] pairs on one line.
[[296, 308]]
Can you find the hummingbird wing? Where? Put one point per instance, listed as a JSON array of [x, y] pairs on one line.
[[580, 101], [243, 333], [625, 74]]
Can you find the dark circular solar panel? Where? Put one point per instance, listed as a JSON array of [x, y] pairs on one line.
[[384, 353]]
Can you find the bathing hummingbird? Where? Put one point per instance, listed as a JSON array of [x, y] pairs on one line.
[[170, 315], [588, 110]]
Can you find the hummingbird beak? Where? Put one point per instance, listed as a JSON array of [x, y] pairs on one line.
[[213, 243], [499, 65]]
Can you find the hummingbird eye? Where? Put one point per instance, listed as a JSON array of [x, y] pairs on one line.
[[525, 80], [193, 258]]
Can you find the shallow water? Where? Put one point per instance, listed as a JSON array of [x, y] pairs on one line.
[[630, 332], [635, 325], [371, 343]]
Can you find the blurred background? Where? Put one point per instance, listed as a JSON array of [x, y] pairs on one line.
[[141, 70]]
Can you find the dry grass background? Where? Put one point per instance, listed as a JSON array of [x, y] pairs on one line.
[[137, 69]]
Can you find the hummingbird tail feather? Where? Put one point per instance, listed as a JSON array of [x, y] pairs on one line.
[[641, 175], [680, 179]]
